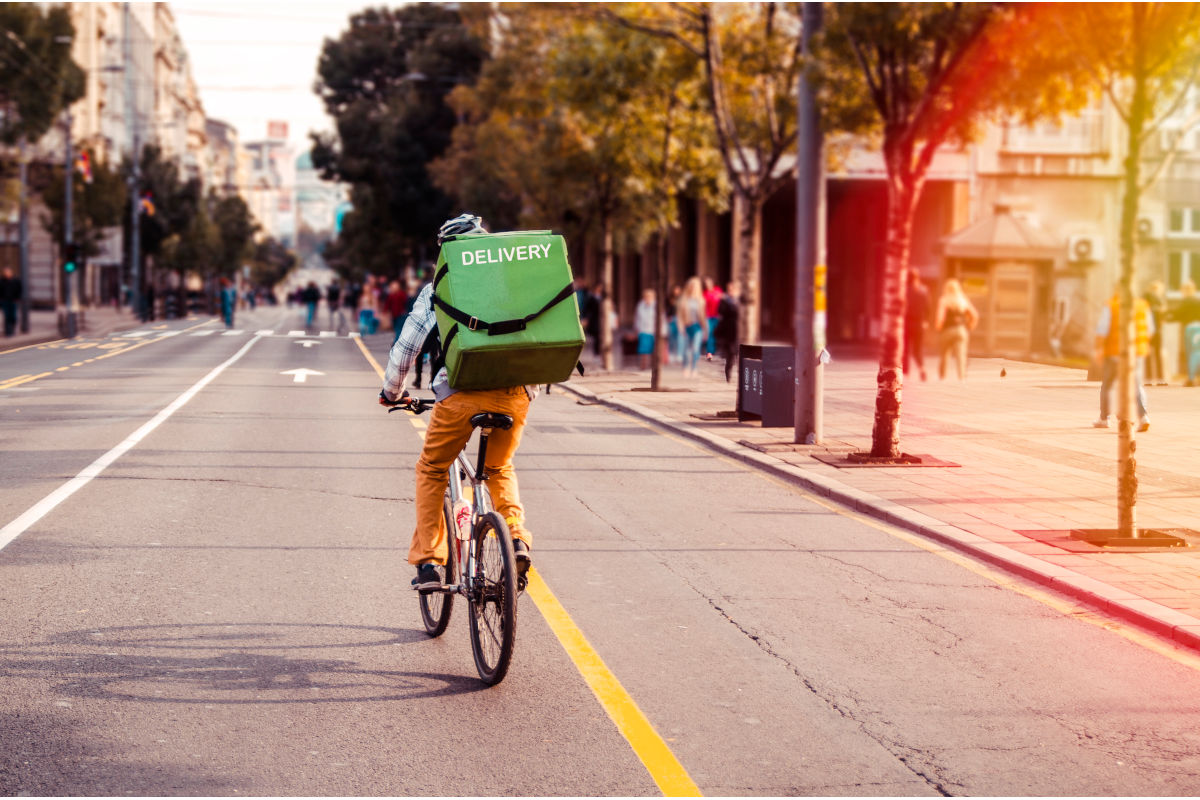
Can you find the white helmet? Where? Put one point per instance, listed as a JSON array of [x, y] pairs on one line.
[[463, 223]]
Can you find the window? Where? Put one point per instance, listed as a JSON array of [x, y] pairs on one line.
[[1182, 265], [1184, 222]]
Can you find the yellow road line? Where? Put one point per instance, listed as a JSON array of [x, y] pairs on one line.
[[22, 379], [370, 358], [109, 354], [650, 748], [670, 775], [26, 347]]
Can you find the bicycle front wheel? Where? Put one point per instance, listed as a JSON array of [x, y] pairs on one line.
[[493, 598], [436, 606]]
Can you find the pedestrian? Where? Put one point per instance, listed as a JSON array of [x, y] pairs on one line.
[[712, 299], [310, 297], [674, 337], [729, 312], [10, 297], [916, 318], [333, 297], [1186, 314], [228, 301], [396, 303], [1156, 301], [350, 298], [643, 321], [595, 312], [1108, 354], [956, 318], [690, 314]]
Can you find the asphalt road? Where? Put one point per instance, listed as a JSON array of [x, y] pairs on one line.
[[224, 609]]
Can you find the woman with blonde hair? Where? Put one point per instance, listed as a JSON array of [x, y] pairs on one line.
[[956, 318], [689, 311]]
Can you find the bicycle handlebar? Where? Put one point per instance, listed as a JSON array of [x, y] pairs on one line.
[[413, 405]]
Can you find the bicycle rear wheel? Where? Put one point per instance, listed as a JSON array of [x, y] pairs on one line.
[[493, 599], [436, 606]]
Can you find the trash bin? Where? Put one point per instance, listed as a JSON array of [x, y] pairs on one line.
[[1191, 338], [767, 385]]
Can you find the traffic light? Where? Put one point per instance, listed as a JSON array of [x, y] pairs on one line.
[[70, 257]]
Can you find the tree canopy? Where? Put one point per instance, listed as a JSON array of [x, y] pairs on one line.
[[38, 77], [385, 81]]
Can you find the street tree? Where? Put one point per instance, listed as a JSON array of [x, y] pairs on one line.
[[1145, 57], [931, 73], [270, 262], [235, 231], [384, 81], [38, 77], [750, 54], [566, 124], [97, 204]]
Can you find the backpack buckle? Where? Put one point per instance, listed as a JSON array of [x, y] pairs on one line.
[[473, 324]]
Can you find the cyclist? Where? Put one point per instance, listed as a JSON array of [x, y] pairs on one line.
[[448, 432]]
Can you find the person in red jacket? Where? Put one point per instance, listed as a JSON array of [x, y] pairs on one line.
[[396, 304], [712, 300]]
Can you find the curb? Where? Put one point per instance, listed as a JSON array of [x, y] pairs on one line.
[[1182, 629]]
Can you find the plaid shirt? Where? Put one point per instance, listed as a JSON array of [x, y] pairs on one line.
[[421, 320]]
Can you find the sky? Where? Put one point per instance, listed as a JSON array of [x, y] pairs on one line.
[[256, 61]]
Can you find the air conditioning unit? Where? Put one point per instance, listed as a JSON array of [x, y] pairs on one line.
[[1084, 249], [1149, 228]]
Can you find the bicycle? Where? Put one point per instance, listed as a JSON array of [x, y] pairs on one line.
[[478, 538]]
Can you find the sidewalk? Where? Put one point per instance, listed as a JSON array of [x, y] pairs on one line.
[[1027, 468], [94, 323]]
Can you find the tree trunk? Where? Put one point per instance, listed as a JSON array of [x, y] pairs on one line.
[[660, 298], [1127, 482], [606, 306], [747, 259], [903, 190]]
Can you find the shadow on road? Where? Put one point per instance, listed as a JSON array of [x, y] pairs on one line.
[[226, 664]]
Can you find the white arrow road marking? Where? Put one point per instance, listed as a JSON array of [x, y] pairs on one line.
[[301, 375], [307, 343]]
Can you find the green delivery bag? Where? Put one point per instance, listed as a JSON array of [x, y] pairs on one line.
[[506, 310]]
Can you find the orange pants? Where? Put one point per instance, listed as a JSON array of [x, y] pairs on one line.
[[448, 432]]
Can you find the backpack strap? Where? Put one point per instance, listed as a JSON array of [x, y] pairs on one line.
[[504, 326]]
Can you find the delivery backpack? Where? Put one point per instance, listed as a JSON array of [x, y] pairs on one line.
[[506, 310]]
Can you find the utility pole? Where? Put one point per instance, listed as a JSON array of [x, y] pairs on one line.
[[68, 252], [810, 270], [131, 123], [23, 233]]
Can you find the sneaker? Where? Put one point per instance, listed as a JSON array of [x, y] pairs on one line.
[[1101, 423], [428, 577], [1144, 425], [524, 560]]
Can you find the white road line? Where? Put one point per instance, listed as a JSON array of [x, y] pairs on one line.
[[136, 334], [236, 332], [327, 333], [265, 332], [295, 333], [204, 333], [51, 501]]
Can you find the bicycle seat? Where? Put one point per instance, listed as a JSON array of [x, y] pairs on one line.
[[489, 419]]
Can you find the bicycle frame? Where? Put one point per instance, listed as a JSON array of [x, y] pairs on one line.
[[480, 504]]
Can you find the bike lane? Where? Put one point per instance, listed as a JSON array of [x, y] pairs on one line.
[[238, 575]]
